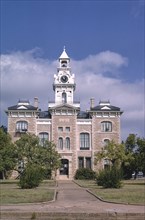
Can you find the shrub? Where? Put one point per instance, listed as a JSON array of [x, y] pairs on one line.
[[31, 177], [85, 174], [109, 178], [47, 174]]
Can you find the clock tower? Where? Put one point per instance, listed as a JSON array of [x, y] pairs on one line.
[[64, 84]]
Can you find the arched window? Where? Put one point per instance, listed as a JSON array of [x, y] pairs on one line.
[[43, 136], [67, 143], [21, 126], [60, 143], [106, 126], [84, 141], [105, 143], [64, 97]]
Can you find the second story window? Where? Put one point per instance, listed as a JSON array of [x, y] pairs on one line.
[[106, 142], [106, 126], [21, 126], [67, 143], [43, 137], [60, 143], [84, 141]]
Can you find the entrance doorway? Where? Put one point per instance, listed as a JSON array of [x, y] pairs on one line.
[[64, 169]]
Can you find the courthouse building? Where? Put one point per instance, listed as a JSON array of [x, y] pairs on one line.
[[78, 135]]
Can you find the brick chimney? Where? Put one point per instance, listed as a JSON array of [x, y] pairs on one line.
[[92, 101], [36, 102]]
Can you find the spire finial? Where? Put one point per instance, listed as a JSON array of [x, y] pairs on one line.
[[64, 48]]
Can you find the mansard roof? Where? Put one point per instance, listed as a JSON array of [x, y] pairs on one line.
[[105, 106], [44, 114], [22, 105], [83, 115]]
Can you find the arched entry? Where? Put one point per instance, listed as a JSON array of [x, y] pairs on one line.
[[64, 169]]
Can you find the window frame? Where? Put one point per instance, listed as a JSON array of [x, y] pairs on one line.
[[84, 141], [88, 160], [43, 139], [67, 143], [21, 126], [106, 126], [60, 143], [80, 162], [60, 129]]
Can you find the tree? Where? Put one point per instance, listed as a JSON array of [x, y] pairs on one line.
[[114, 153], [135, 146], [49, 158], [31, 152], [8, 154]]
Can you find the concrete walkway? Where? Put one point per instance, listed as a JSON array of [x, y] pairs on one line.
[[73, 199]]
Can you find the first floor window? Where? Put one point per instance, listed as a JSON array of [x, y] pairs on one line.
[[22, 126], [106, 163], [106, 126], [43, 136], [84, 141], [81, 162], [60, 143], [88, 162], [84, 162]]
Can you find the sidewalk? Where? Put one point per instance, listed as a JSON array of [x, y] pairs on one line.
[[73, 199]]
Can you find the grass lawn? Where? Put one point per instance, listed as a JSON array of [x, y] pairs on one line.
[[132, 192], [11, 193]]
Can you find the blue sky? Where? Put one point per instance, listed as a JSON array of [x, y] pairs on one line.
[[112, 31]]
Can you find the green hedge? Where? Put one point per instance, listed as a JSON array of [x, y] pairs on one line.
[[85, 174]]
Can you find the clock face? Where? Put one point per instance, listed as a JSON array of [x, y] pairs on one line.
[[64, 79]]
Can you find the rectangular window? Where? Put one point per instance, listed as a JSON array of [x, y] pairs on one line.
[[88, 162], [67, 129], [60, 129], [81, 162], [84, 141]]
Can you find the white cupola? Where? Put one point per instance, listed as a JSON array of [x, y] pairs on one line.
[[64, 81]]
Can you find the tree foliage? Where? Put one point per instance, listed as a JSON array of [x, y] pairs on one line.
[[31, 152], [8, 153], [115, 153], [135, 146], [31, 177], [110, 178]]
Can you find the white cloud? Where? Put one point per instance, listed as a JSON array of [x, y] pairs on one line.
[[26, 75]]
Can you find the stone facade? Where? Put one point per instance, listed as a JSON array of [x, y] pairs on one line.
[[78, 135]]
